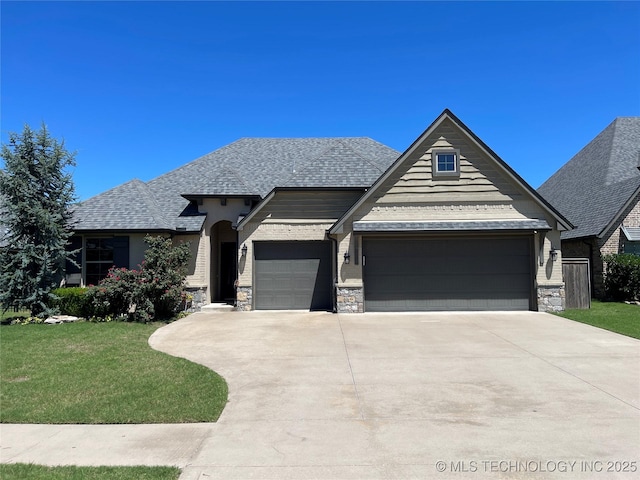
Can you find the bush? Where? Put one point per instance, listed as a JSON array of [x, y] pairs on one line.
[[70, 301], [622, 277], [153, 292]]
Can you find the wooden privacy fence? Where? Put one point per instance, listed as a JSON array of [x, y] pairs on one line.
[[577, 283]]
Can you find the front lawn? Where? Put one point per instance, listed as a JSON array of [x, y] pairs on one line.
[[38, 472], [617, 317], [100, 373], [9, 315]]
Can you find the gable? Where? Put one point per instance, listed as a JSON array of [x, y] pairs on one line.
[[479, 178], [307, 205], [484, 188]]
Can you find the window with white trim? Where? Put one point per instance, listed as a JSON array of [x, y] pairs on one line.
[[446, 162]]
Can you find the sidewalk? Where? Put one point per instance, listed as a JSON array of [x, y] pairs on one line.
[[95, 445]]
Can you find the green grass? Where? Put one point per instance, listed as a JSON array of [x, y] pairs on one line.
[[38, 472], [616, 317], [100, 373], [6, 317]]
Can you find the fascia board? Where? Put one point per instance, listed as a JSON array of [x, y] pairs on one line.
[[337, 227], [616, 217]]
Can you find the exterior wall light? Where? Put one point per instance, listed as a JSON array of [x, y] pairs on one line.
[[244, 250], [347, 258], [554, 254]]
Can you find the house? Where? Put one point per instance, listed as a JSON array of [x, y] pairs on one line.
[[342, 224], [598, 190]]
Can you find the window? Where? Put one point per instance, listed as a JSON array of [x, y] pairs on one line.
[[103, 253], [631, 242], [446, 163], [631, 247]]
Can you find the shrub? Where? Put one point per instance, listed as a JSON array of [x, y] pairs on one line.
[[165, 272], [153, 292], [622, 277], [70, 301]]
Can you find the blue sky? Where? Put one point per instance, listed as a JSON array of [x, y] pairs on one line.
[[140, 88]]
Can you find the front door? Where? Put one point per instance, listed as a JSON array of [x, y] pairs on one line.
[[228, 271]]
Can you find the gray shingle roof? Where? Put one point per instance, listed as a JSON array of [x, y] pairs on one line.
[[247, 167], [593, 187], [128, 206]]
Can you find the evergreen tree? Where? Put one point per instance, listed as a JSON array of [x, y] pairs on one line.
[[36, 193]]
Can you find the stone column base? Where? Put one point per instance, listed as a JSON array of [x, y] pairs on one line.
[[350, 299], [551, 298], [244, 299], [197, 300]]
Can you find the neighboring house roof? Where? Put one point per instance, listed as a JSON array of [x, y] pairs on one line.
[[249, 167], [597, 184], [447, 114]]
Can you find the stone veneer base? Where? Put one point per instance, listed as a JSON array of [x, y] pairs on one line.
[[350, 299], [551, 298], [199, 296], [244, 299]]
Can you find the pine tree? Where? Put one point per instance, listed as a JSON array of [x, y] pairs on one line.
[[36, 194]]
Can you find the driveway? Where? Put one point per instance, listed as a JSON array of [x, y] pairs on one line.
[[383, 396], [451, 395]]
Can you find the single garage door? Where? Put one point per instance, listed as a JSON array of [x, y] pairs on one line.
[[292, 275], [447, 273]]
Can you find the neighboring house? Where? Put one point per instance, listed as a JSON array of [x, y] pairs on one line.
[[343, 224], [598, 190]]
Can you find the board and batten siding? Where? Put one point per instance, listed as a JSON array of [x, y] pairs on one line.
[[308, 205], [292, 216]]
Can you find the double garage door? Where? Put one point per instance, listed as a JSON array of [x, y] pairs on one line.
[[447, 273], [402, 274]]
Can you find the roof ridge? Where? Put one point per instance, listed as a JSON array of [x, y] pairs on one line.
[[120, 185], [377, 167], [307, 163], [192, 162], [236, 175], [154, 207], [614, 127], [310, 162]]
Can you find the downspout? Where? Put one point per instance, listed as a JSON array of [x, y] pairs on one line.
[[541, 257], [235, 282], [335, 274]]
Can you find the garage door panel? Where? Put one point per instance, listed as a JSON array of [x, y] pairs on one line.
[[292, 275], [447, 273]]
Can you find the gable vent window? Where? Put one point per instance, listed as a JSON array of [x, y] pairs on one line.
[[446, 163]]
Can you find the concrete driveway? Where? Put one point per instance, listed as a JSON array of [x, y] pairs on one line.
[[502, 395], [383, 396]]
